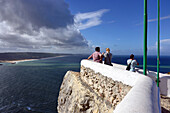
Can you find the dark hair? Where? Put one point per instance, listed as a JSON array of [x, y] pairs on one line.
[[97, 49], [131, 56]]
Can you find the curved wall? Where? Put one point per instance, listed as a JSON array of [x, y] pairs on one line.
[[142, 98]]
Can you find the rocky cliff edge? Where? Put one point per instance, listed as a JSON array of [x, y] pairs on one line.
[[89, 92]]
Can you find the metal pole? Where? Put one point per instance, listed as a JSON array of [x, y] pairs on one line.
[[145, 39], [158, 45]]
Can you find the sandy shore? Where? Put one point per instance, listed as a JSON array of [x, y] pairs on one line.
[[16, 61], [26, 60]]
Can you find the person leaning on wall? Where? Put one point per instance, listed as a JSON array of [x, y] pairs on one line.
[[97, 56], [107, 57], [132, 63]]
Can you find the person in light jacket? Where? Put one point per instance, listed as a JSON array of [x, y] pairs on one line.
[[132, 63]]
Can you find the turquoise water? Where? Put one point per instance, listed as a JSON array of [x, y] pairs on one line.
[[33, 87]]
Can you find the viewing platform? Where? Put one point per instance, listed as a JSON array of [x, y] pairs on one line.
[[100, 88]]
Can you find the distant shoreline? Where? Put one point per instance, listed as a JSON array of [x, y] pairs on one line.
[[25, 60], [16, 61]]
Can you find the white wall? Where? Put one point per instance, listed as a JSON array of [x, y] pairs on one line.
[[142, 98], [165, 85], [115, 73], [164, 78]]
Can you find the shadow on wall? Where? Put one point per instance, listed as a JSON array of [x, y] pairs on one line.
[[139, 71]]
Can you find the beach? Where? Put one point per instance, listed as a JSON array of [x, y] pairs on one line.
[[26, 60], [16, 61]]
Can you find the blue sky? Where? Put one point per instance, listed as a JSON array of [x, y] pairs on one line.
[[121, 28], [78, 26]]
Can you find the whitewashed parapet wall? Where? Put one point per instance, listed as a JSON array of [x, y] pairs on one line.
[[164, 79], [165, 84], [142, 98]]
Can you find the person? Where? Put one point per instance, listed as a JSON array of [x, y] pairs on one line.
[[133, 63], [97, 56], [108, 57]]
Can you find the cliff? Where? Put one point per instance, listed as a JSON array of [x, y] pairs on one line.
[[76, 96], [89, 92]]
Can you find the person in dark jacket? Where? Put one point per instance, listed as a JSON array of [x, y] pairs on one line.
[[108, 57]]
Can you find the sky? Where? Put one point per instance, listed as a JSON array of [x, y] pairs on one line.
[[78, 26]]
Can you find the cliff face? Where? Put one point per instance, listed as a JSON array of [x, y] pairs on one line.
[[108, 89], [76, 97], [89, 92]]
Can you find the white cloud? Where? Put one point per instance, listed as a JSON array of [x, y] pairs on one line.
[[48, 26], [44, 26], [155, 19], [90, 19], [164, 47], [165, 41], [161, 18], [110, 22]]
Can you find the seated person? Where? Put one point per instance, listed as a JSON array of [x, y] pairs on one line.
[[133, 63], [108, 57], [97, 56]]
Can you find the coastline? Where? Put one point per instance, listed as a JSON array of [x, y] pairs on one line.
[[26, 60], [16, 61]]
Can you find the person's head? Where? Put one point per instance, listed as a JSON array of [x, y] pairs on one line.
[[107, 50], [97, 49], [131, 56]]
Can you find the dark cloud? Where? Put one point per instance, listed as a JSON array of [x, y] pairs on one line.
[[40, 13], [38, 24]]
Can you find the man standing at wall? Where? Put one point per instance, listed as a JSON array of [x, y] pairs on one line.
[[97, 56]]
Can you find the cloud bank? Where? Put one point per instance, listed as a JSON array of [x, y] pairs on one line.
[[38, 25]]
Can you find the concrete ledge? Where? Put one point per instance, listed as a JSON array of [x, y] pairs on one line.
[[165, 85], [116, 73], [142, 98], [164, 78]]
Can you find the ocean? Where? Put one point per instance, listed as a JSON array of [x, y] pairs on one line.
[[33, 87]]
